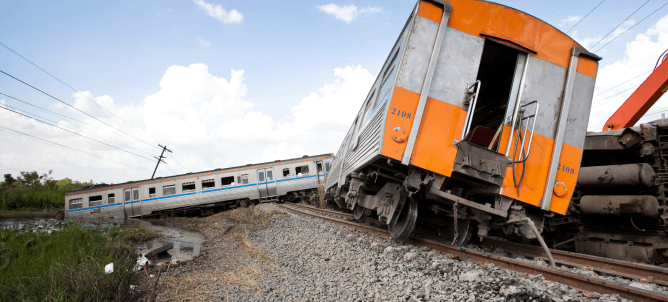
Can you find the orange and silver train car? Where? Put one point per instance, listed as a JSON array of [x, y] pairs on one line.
[[477, 120]]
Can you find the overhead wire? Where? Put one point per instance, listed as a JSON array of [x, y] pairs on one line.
[[55, 98], [617, 85], [634, 25], [554, 11], [599, 102], [62, 82], [64, 146], [576, 24], [620, 24], [73, 132], [61, 115], [72, 128]]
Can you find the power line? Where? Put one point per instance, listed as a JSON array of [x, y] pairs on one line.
[[53, 97], [560, 5], [634, 25], [620, 24], [576, 24], [67, 117], [184, 168], [59, 80], [19, 113], [617, 85], [61, 145], [616, 94], [73, 129]]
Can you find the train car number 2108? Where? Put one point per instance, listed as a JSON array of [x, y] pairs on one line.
[[401, 113]]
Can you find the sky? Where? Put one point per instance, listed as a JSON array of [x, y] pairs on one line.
[[228, 83]]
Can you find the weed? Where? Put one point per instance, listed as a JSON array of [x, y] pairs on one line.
[[68, 264]]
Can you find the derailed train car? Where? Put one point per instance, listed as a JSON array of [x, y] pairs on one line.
[[202, 192], [476, 121]]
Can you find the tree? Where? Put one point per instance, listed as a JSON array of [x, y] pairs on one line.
[[9, 180]]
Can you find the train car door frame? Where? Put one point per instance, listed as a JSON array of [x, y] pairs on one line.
[[266, 183], [320, 169], [131, 202]]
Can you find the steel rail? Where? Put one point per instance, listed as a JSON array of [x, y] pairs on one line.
[[552, 274]]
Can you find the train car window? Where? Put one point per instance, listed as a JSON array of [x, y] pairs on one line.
[[209, 184], [244, 179], [151, 192], [319, 167], [270, 175], [94, 200], [188, 186], [111, 197], [301, 170], [227, 181], [168, 190], [127, 196], [286, 172], [260, 176], [135, 195], [76, 203], [369, 109], [327, 167]]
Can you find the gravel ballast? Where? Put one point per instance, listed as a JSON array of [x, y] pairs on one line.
[[314, 260]]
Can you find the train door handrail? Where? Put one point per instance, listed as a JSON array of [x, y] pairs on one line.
[[469, 114], [523, 157]]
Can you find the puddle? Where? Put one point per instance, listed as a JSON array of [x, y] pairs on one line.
[[186, 244]]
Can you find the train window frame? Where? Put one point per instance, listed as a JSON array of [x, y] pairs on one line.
[[270, 175], [260, 176], [208, 184], [166, 190], [149, 192], [286, 174], [76, 203], [301, 171], [318, 167], [111, 198], [127, 196], [94, 201], [327, 166], [225, 181], [191, 187], [369, 108]]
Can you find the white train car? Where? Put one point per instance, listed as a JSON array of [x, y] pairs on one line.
[[281, 180]]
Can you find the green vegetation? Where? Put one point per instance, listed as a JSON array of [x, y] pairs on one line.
[[68, 265], [33, 195]]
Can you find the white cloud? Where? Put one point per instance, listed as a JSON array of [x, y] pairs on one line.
[[203, 42], [640, 56], [571, 19], [203, 118], [218, 12], [349, 12]]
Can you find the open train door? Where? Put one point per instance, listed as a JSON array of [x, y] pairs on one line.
[[320, 172]]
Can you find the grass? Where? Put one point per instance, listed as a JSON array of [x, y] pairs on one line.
[[68, 265], [34, 197], [12, 214], [236, 260]]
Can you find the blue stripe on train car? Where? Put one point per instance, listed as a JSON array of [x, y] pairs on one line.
[[186, 194]]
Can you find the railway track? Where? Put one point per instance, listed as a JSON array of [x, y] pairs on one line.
[[601, 265]]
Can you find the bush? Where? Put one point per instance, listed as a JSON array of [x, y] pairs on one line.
[[34, 192], [68, 265]]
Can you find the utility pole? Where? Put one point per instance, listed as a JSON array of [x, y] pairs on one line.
[[160, 159]]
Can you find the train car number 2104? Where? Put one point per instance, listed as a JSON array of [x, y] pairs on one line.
[[401, 113]]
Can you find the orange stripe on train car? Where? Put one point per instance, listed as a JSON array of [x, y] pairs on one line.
[[191, 176], [430, 11], [569, 167], [587, 66], [476, 17], [403, 101], [441, 124], [535, 171]]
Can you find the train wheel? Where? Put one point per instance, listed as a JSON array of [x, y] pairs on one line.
[[464, 230], [405, 224], [360, 213], [243, 203]]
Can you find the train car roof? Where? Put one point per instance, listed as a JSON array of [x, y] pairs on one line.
[[103, 186]]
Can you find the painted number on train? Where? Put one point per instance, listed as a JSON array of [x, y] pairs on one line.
[[566, 169], [401, 113]]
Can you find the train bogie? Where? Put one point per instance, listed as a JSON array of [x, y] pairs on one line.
[[284, 180], [483, 123]]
